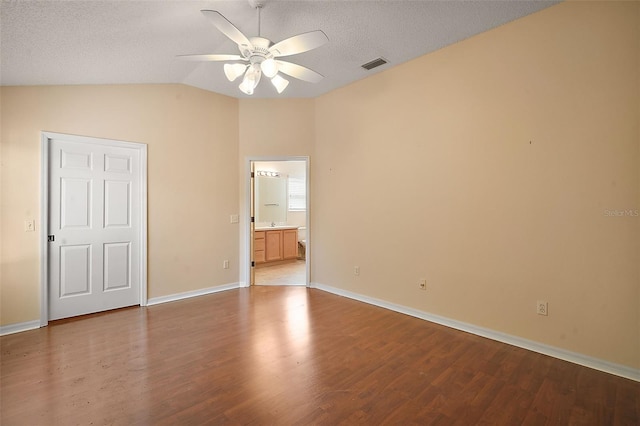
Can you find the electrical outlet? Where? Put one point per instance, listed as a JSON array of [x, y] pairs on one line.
[[356, 270], [422, 284], [225, 264], [542, 308]]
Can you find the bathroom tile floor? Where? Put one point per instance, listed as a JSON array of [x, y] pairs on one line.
[[283, 274]]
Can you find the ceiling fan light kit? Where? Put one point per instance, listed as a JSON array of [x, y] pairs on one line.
[[259, 55], [279, 83], [269, 67], [233, 71]]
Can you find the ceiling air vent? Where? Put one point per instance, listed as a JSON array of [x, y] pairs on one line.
[[373, 64]]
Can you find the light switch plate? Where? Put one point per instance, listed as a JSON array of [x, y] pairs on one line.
[[234, 218], [29, 225]]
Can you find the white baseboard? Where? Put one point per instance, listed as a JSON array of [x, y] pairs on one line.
[[188, 294], [31, 325], [574, 357], [17, 328]]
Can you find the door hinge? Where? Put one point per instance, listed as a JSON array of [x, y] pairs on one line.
[[253, 174], [253, 219], [51, 238], [253, 264]]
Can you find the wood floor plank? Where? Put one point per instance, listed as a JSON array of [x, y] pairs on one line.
[[290, 355]]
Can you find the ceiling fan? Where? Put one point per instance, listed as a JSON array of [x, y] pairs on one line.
[[258, 55]]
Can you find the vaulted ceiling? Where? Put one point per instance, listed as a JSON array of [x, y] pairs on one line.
[[136, 42]]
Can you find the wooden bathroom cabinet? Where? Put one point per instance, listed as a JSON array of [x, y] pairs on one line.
[[275, 245]]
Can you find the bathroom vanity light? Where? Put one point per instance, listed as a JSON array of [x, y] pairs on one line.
[[268, 174]]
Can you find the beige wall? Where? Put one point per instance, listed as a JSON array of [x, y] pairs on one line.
[[192, 138], [487, 168], [276, 127]]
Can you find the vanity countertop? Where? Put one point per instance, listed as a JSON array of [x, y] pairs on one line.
[[275, 228]]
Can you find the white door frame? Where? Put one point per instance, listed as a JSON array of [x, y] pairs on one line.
[[245, 240], [44, 212]]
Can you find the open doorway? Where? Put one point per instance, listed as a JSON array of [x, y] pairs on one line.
[[280, 211]]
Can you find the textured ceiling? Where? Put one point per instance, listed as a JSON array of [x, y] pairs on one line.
[[127, 42]]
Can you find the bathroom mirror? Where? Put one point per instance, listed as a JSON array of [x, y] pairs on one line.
[[271, 200]]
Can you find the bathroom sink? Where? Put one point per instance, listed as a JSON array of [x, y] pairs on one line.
[[274, 228]]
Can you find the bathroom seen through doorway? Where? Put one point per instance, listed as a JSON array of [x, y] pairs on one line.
[[279, 201]]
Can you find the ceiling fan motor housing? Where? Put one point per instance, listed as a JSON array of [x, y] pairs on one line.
[[260, 51]]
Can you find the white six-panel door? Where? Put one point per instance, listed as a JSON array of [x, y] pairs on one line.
[[94, 221]]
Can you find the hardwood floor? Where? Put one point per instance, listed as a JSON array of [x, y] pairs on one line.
[[290, 355]]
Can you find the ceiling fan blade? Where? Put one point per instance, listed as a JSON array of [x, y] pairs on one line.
[[211, 57], [298, 44], [227, 28], [299, 72]]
